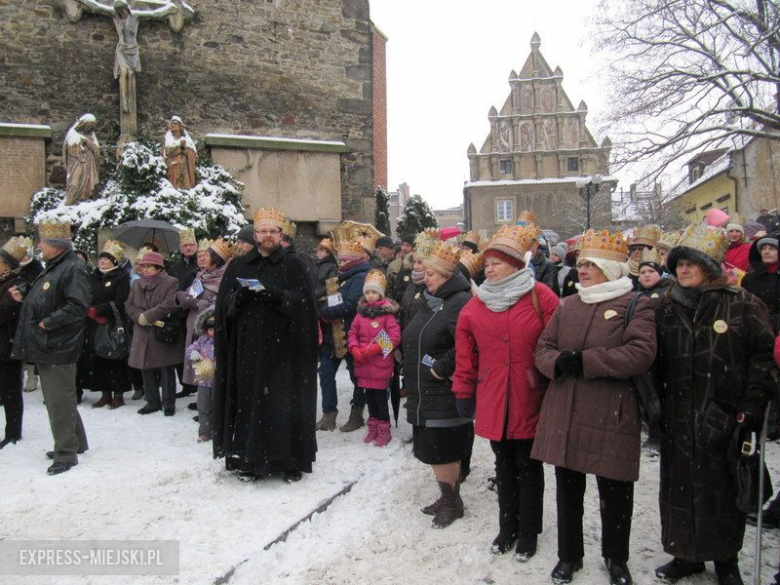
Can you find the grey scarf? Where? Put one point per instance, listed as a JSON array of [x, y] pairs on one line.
[[503, 294], [433, 302]]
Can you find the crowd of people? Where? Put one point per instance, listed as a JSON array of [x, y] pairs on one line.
[[536, 349]]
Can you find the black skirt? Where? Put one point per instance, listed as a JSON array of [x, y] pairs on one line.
[[438, 446]]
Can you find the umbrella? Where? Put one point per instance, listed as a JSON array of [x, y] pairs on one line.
[[141, 231], [552, 237]]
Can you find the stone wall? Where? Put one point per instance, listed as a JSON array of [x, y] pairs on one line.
[[299, 69]]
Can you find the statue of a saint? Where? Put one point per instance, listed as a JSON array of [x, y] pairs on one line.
[[180, 155], [81, 152]]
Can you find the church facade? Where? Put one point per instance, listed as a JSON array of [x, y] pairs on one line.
[[278, 92], [537, 148]]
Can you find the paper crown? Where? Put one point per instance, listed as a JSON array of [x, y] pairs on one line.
[[270, 215], [514, 240], [350, 248], [526, 217], [28, 243], [114, 249], [376, 281], [187, 236], [16, 248], [52, 230], [222, 248], [443, 258], [651, 255], [424, 244], [646, 236], [604, 245], [141, 253], [711, 241], [326, 244], [364, 234], [667, 241], [204, 244], [472, 237], [290, 228], [472, 261]]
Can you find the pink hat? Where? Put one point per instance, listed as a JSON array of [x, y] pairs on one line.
[[716, 217], [153, 258]]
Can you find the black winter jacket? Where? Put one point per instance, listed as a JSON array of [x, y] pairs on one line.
[[59, 297], [545, 272], [326, 268], [184, 271], [765, 285], [431, 332], [9, 313]]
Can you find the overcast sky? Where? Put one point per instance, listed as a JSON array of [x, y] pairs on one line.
[[448, 61]]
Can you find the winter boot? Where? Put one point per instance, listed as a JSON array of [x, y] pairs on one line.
[[118, 401], [618, 573], [372, 431], [677, 569], [383, 435], [104, 400], [138, 394], [31, 383], [328, 421], [355, 421], [451, 507], [728, 572], [431, 509]]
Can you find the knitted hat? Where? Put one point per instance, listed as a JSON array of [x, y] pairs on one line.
[[767, 240], [153, 258], [559, 250], [375, 281], [702, 245], [13, 251], [247, 234], [443, 259], [187, 236], [384, 242], [408, 239], [735, 226]]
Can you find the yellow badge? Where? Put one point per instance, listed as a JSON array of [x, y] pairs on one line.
[[417, 296], [570, 283], [654, 296], [374, 324], [46, 285], [609, 314], [108, 283], [406, 279], [720, 326]]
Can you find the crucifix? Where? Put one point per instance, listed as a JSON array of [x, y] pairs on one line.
[[127, 60]]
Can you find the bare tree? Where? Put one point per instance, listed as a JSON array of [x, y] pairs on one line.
[[688, 74]]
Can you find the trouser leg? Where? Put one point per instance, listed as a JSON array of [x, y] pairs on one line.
[[530, 481], [58, 384], [371, 402], [329, 365], [168, 382], [382, 405], [507, 487], [152, 387], [617, 504], [205, 408], [570, 492], [11, 395], [358, 394]]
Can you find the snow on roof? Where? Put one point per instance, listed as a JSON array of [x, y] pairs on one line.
[[548, 181], [719, 166]]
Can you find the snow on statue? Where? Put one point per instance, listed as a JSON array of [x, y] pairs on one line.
[[180, 155], [81, 152]]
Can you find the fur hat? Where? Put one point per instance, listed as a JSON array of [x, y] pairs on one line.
[[206, 315]]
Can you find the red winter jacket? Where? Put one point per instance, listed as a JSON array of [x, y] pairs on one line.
[[376, 370], [738, 256], [494, 354]]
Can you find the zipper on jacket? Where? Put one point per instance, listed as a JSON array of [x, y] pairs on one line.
[[419, 362]]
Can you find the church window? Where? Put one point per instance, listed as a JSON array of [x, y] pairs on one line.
[[573, 163], [505, 166]]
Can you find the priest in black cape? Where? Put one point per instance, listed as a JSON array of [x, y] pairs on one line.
[[265, 391]]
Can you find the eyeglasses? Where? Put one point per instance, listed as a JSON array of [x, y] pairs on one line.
[[586, 266], [268, 232]]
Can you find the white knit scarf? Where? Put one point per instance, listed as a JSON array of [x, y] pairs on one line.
[[502, 294], [606, 291]]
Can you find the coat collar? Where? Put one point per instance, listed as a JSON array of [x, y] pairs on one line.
[[154, 283]]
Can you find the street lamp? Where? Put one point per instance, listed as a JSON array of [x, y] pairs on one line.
[[588, 188]]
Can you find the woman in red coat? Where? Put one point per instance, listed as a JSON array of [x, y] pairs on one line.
[[494, 347]]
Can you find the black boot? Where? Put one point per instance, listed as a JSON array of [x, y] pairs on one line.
[[451, 507], [618, 573], [503, 542], [728, 572], [564, 571], [431, 509], [526, 548], [677, 569]]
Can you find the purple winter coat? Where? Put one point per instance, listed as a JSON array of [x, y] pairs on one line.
[[204, 345], [375, 371]]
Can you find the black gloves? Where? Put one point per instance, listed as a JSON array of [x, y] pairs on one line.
[[465, 407], [271, 296], [750, 416], [569, 363]]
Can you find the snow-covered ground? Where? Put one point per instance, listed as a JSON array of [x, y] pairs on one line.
[[147, 478]]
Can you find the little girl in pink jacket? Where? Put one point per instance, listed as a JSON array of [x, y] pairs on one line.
[[373, 336]]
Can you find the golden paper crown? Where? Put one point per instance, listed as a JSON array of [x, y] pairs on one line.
[[270, 215], [646, 236], [17, 248], [141, 252], [289, 228], [604, 245], [204, 244], [424, 244], [223, 248], [326, 244], [514, 240], [651, 255], [351, 247], [526, 217], [353, 231], [54, 230], [374, 279], [187, 236], [443, 258], [472, 261], [28, 243], [668, 241], [368, 243], [713, 242], [471, 237], [115, 249]]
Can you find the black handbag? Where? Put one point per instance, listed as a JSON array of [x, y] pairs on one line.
[[111, 342], [644, 384], [168, 329], [745, 459]]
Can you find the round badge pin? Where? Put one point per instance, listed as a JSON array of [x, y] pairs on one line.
[[46, 285], [417, 296], [654, 296], [406, 279], [608, 314], [108, 283], [374, 324], [720, 326]]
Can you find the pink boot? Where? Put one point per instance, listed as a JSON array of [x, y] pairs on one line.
[[371, 434], [383, 435]]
